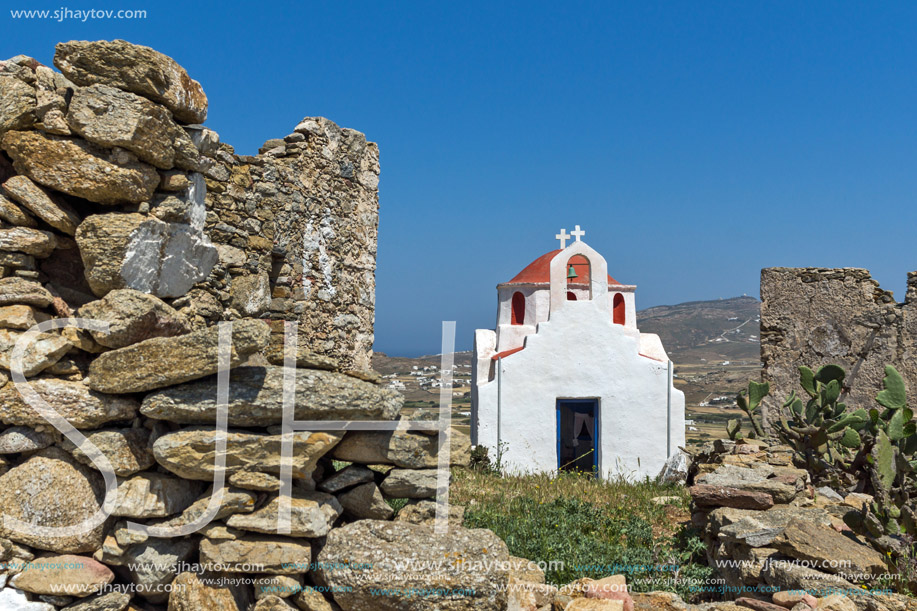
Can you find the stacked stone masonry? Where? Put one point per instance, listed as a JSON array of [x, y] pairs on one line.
[[117, 205]]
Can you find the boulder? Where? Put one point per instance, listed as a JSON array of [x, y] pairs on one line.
[[154, 495], [17, 104], [65, 574], [191, 453], [256, 399], [14, 215], [20, 291], [789, 574], [143, 253], [112, 117], [675, 469], [29, 241], [311, 515], [757, 479], [194, 592], [705, 495], [423, 512], [365, 502], [400, 448], [410, 483], [178, 359], [828, 550], [42, 351], [79, 168], [133, 68], [20, 317], [133, 317], [258, 554], [18, 439], [48, 207], [74, 401], [368, 555], [347, 477], [50, 489], [761, 528], [127, 450]]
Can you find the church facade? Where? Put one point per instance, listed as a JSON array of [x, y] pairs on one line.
[[566, 380]]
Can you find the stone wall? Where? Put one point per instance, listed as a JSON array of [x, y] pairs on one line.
[[817, 316], [118, 207]]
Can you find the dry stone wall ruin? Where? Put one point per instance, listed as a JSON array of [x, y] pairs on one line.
[[117, 205]]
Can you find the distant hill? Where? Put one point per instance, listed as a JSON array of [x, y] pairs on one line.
[[724, 329]]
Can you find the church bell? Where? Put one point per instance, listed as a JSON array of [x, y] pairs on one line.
[[571, 273]]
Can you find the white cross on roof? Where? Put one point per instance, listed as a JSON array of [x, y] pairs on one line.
[[578, 233], [563, 236]]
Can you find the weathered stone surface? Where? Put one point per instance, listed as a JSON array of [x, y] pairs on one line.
[[305, 358], [253, 480], [134, 68], [74, 401], [154, 495], [825, 548], [12, 599], [423, 512], [791, 575], [256, 399], [126, 449], [20, 317], [23, 439], [29, 241], [707, 495], [81, 575], [757, 605], [193, 592], [154, 563], [752, 480], [20, 291], [311, 515], [760, 528], [372, 548], [258, 554], [790, 598], [251, 294], [178, 359], [48, 489], [347, 477], [112, 601], [410, 483], [42, 351], [366, 503], [133, 317], [79, 168], [191, 453], [310, 599], [48, 207], [143, 253], [282, 586], [111, 117], [17, 104], [273, 603], [14, 215], [400, 448]]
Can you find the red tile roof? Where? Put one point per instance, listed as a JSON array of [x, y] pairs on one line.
[[539, 271]]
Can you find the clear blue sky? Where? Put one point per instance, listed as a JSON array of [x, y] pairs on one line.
[[695, 142]]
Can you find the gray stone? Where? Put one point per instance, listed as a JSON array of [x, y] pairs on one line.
[[46, 206], [79, 168], [410, 483], [381, 547], [761, 528], [178, 359], [17, 104], [824, 547], [154, 495], [74, 401], [191, 453], [133, 317], [29, 241], [126, 449], [153, 564], [346, 478], [400, 448], [675, 469], [256, 399], [18, 439], [111, 117], [20, 291], [41, 352], [311, 515], [112, 601], [143, 253], [752, 480], [12, 599], [134, 68], [423, 512], [258, 554], [49, 489], [365, 502], [251, 294]]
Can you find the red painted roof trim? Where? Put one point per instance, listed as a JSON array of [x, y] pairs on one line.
[[500, 355], [539, 271]]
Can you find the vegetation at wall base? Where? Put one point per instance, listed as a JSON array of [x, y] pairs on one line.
[[588, 527]]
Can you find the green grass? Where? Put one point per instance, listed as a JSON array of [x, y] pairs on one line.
[[583, 527]]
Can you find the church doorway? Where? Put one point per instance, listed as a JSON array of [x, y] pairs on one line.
[[577, 435]]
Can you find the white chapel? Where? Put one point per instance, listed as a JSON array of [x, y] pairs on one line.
[[567, 381]]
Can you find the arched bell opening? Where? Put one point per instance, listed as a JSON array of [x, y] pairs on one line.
[[579, 275]]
